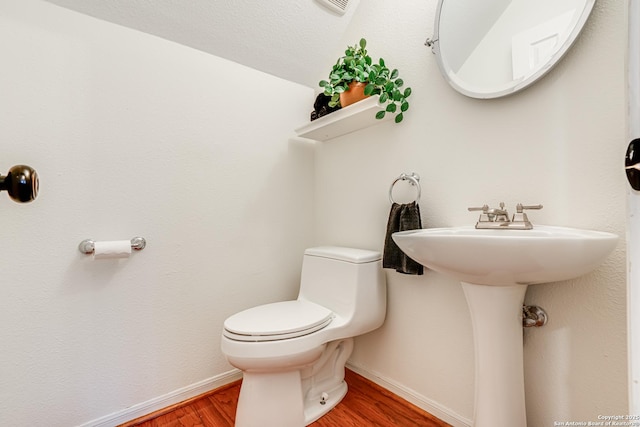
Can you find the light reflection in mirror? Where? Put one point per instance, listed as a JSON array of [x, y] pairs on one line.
[[493, 48]]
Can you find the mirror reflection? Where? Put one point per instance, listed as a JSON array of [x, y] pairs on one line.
[[493, 48]]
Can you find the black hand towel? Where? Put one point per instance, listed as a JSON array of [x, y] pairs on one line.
[[401, 218]]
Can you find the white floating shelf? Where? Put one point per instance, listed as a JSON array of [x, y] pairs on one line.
[[356, 116]]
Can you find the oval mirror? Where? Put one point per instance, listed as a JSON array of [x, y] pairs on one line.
[[494, 48]]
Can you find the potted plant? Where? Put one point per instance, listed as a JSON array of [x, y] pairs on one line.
[[357, 68]]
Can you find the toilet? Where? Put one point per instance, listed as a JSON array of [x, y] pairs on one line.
[[292, 354]]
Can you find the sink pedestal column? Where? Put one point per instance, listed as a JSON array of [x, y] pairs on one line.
[[496, 315]]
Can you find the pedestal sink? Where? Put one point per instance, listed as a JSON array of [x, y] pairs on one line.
[[495, 268]]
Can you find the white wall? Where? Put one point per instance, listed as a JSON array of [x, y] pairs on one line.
[[134, 135], [271, 36], [560, 143]]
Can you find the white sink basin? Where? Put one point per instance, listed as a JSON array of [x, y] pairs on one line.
[[508, 257]]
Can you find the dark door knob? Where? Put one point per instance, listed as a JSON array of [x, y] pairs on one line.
[[21, 183], [632, 164]]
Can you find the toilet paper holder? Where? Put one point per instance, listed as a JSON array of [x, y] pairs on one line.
[[88, 246]]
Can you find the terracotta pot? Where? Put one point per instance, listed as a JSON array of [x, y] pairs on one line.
[[354, 94]]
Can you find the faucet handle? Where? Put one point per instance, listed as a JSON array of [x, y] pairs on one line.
[[520, 207], [521, 217], [483, 208], [484, 216]]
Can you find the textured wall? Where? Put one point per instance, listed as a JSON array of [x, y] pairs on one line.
[[560, 143], [284, 38], [134, 135]]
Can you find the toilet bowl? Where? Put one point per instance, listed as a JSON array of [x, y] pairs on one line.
[[293, 353]]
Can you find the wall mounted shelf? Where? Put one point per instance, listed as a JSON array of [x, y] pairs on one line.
[[356, 116]]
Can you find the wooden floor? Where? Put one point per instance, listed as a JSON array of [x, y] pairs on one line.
[[365, 405]]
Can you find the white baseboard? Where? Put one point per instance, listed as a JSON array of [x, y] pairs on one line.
[[434, 408], [157, 403], [193, 390]]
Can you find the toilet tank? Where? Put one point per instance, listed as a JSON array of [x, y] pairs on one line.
[[350, 282]]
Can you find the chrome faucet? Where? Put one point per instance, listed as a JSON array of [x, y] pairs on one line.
[[498, 218]]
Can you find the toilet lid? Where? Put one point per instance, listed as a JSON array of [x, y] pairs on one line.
[[277, 321]]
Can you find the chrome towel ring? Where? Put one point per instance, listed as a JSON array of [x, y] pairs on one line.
[[414, 180]]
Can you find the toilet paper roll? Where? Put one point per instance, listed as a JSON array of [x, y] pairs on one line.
[[112, 249]]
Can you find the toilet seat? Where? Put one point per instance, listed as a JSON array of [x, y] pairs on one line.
[[277, 321]]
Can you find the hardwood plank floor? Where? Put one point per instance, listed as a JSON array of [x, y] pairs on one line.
[[365, 405]]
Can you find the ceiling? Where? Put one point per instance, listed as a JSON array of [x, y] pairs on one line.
[[296, 40]]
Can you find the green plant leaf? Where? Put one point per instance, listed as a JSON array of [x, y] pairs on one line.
[[381, 62], [380, 114], [339, 89], [394, 74], [380, 81], [383, 97], [323, 83], [399, 82], [335, 100], [407, 92], [368, 90], [399, 118], [391, 108], [363, 43], [389, 86], [404, 107], [397, 96]]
